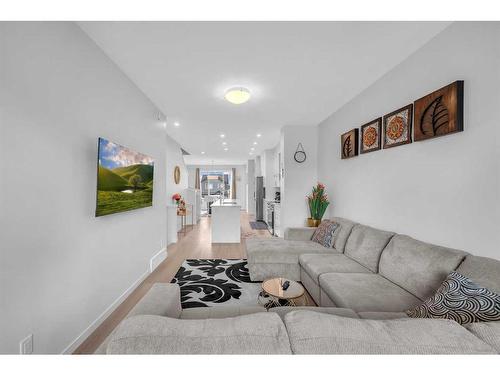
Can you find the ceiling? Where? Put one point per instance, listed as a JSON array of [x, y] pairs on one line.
[[298, 73]]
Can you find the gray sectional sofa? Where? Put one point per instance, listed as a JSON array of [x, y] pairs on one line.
[[363, 285], [367, 269], [158, 325]]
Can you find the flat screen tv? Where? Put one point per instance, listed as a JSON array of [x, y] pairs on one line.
[[124, 179]]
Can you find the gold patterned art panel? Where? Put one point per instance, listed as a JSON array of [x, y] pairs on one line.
[[397, 127], [371, 139]]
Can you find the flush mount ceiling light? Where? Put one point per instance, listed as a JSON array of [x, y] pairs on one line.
[[176, 124], [237, 95]]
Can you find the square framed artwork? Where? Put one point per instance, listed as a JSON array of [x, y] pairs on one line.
[[371, 136], [440, 112], [397, 127], [349, 142]]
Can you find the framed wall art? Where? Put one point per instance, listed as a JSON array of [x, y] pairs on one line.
[[349, 144], [397, 127], [371, 136], [440, 112], [177, 175]]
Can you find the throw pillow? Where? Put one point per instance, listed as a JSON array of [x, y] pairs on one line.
[[324, 234], [460, 299]]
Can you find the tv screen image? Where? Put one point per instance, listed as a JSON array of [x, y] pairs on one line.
[[124, 179]]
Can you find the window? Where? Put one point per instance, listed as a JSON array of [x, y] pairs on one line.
[[215, 183]]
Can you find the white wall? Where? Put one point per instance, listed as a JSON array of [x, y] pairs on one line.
[[61, 267], [444, 190], [277, 163], [258, 166], [241, 178], [267, 169], [299, 178], [250, 188], [175, 158]]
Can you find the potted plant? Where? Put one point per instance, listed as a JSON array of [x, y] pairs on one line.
[[318, 202]]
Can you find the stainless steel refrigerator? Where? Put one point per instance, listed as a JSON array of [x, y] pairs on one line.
[[260, 194]]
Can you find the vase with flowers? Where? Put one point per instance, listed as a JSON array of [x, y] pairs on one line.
[[176, 198], [318, 202], [181, 204]]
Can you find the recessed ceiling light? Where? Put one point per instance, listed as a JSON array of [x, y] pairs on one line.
[[226, 149], [250, 153], [237, 95], [203, 152], [259, 135], [176, 124], [222, 135], [252, 149], [255, 143], [224, 143]]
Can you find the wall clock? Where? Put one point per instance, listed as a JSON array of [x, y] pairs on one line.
[[177, 175], [300, 155]]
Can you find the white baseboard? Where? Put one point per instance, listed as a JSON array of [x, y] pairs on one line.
[[159, 257], [154, 261]]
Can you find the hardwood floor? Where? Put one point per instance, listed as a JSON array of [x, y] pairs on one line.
[[195, 244]]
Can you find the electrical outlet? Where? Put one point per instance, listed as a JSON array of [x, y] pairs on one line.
[[26, 345]]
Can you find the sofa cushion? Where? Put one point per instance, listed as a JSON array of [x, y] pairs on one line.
[[283, 310], [366, 292], [299, 233], [263, 271], [416, 266], [261, 333], [484, 271], [489, 332], [317, 264], [316, 333], [460, 299], [277, 250], [365, 245], [162, 299], [382, 315], [324, 234], [220, 312], [342, 233]]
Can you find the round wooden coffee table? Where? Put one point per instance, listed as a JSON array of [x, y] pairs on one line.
[[273, 295]]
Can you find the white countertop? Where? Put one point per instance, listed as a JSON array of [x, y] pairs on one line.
[[227, 203]]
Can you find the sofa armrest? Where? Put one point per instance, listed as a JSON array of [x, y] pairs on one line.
[[162, 299], [299, 234]]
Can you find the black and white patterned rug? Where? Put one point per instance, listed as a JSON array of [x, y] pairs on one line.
[[213, 282]]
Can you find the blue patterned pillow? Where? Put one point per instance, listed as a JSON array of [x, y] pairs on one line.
[[324, 234], [460, 299]]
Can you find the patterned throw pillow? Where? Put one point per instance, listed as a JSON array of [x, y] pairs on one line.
[[324, 234], [460, 299]]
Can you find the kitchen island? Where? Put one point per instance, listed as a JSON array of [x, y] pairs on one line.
[[226, 225]]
